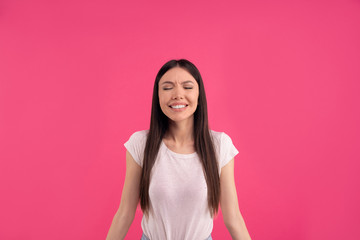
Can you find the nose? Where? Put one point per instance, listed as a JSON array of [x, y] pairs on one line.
[[178, 93]]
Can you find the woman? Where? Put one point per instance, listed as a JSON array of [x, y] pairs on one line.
[[179, 169]]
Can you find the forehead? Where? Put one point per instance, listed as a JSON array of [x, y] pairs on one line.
[[177, 74]]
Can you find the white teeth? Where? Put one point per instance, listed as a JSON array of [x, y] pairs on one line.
[[178, 106]]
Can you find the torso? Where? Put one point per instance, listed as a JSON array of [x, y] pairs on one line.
[[178, 188]]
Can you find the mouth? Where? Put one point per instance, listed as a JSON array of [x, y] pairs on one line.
[[180, 106]]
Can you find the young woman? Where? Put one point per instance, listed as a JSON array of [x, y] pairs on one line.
[[179, 169]]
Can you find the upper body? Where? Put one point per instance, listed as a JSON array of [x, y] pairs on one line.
[[178, 189], [177, 178]]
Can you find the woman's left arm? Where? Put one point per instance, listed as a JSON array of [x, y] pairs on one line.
[[233, 220]]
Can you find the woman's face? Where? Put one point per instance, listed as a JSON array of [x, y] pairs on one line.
[[178, 94]]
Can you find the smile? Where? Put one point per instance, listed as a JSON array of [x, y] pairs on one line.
[[178, 108]]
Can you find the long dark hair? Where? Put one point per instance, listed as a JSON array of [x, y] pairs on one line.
[[203, 141]]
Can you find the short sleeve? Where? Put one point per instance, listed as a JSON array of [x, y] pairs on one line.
[[227, 150], [136, 146]]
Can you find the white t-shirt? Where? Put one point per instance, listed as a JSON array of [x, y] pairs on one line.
[[178, 191]]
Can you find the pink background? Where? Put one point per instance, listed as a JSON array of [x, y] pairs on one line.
[[281, 77]]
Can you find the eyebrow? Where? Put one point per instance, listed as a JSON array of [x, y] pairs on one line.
[[173, 83]]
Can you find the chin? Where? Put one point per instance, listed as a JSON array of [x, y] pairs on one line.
[[180, 119]]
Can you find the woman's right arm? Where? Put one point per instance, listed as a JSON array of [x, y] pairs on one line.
[[129, 200]]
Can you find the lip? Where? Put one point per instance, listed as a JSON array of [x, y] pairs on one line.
[[178, 109], [178, 103]]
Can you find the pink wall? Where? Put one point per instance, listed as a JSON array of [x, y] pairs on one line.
[[282, 79]]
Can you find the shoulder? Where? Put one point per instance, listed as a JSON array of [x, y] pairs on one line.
[[215, 135], [137, 139], [219, 137], [139, 135], [216, 139], [136, 145], [224, 147]]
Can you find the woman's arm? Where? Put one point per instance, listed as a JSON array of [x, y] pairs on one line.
[[233, 220], [129, 200]]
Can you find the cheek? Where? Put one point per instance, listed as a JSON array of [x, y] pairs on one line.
[[160, 96], [195, 98], [162, 100], [161, 103]]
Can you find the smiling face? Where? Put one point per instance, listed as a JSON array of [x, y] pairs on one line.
[[178, 94]]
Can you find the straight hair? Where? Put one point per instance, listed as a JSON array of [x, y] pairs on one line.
[[203, 141]]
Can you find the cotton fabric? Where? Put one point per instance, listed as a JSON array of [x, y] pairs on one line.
[[178, 191]]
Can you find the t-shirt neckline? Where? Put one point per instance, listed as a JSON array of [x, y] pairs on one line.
[[180, 155]]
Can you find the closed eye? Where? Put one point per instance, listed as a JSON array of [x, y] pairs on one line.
[[171, 88]]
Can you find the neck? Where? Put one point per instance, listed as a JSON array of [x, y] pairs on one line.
[[181, 132]]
